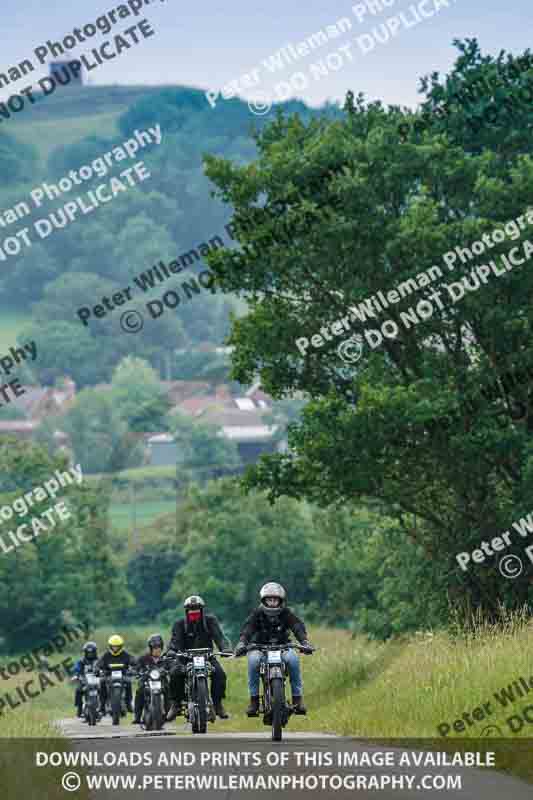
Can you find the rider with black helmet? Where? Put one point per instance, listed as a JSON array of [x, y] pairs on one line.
[[271, 623], [147, 661], [197, 629], [90, 656]]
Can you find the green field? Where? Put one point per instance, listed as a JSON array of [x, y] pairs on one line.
[[125, 516], [47, 134], [72, 114]]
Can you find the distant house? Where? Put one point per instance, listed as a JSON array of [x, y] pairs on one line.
[[38, 402], [240, 420], [163, 450]]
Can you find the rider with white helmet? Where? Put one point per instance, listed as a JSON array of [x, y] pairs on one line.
[[271, 623]]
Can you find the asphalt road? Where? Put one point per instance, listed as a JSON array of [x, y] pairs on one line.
[[209, 751]]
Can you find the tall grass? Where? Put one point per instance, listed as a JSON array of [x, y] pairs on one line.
[[399, 689]]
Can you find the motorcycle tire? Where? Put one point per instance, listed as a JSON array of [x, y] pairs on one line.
[[156, 713], [201, 701], [278, 703], [92, 715], [116, 705], [147, 720]]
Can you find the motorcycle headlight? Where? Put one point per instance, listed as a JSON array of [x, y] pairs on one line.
[[155, 675]]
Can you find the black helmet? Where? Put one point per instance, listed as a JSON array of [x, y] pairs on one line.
[[273, 597], [156, 640], [90, 651]]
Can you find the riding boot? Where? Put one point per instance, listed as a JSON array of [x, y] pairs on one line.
[[298, 704], [220, 711], [173, 712], [253, 708]]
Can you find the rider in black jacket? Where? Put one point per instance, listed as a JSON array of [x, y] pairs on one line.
[[197, 629], [271, 623], [115, 655], [144, 663]]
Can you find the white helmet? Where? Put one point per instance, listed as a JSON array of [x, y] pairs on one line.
[[272, 590]]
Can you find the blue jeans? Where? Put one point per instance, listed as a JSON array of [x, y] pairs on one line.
[[293, 665]]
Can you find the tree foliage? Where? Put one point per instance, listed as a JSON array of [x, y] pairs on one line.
[[331, 213]]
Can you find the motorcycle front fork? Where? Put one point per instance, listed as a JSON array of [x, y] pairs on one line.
[[264, 703]]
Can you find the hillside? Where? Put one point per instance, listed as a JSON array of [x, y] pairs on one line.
[[71, 114]]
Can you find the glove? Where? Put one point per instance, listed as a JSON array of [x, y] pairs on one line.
[[306, 646], [240, 650]]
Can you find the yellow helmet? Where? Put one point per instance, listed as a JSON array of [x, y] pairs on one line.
[[115, 644]]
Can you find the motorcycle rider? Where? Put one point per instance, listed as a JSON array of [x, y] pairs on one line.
[[115, 655], [146, 662], [90, 656], [197, 629], [270, 623]]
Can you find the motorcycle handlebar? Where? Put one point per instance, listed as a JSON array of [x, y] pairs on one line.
[[265, 648]]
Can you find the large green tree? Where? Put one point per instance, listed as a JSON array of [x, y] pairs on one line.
[[139, 396], [330, 214]]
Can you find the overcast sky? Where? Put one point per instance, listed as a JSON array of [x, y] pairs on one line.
[[207, 43]]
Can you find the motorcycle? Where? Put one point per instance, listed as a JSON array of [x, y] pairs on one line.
[[199, 707], [90, 687], [273, 674], [116, 681], [154, 682]]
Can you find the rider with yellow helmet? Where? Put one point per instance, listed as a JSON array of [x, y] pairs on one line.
[[116, 658]]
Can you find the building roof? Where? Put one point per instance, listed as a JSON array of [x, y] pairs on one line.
[[233, 417], [17, 426], [249, 433], [178, 391], [195, 405]]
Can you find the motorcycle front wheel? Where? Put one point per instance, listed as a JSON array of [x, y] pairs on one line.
[[278, 702], [116, 704], [92, 714], [200, 709], [156, 713]]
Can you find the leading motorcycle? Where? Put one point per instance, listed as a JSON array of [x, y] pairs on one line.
[[273, 674]]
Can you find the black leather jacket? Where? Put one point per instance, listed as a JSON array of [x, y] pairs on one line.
[[205, 633], [262, 629], [125, 659]]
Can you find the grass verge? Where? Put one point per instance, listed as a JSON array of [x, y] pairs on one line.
[[397, 690]]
